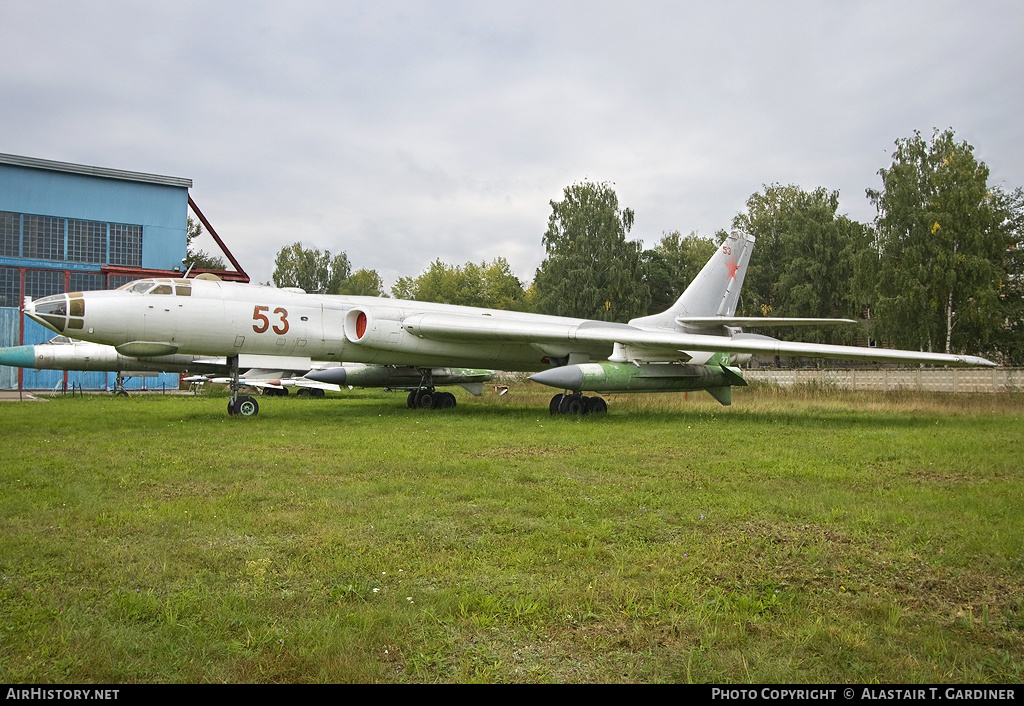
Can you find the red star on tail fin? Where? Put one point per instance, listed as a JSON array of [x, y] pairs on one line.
[[732, 267]]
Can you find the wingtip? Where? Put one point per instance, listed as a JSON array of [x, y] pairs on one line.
[[975, 361]]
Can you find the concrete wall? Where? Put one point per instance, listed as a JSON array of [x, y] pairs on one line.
[[923, 379]]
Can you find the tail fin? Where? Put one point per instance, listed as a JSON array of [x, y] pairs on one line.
[[715, 290]]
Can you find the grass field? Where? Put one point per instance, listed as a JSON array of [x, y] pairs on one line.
[[797, 536]]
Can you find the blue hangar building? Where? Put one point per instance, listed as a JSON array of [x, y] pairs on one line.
[[72, 228]]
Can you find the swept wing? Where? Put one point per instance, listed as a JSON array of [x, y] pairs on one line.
[[631, 343]]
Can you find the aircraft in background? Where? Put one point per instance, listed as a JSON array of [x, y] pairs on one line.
[[694, 345], [272, 374], [63, 353]]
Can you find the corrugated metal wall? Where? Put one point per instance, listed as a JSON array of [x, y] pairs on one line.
[[8, 337]]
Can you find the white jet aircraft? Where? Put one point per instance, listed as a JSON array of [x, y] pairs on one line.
[[691, 346]]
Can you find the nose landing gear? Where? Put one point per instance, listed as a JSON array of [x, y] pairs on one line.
[[240, 406]]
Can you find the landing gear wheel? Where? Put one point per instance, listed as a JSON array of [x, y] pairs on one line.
[[247, 407], [555, 403], [572, 404], [411, 400], [426, 400], [446, 400], [596, 405]]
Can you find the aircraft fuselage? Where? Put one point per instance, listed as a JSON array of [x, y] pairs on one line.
[[164, 317]]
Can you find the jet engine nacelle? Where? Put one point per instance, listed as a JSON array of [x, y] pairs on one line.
[[377, 329]]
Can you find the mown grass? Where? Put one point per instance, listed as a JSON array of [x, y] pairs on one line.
[[797, 536]]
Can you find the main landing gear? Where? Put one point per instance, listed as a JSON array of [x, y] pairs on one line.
[[429, 398], [240, 405], [119, 386], [577, 404], [426, 397]]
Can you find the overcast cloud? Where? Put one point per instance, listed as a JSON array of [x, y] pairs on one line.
[[403, 132]]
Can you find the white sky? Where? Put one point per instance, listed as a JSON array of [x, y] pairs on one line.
[[402, 132]]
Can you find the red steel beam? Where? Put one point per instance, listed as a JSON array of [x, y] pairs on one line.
[[211, 231]]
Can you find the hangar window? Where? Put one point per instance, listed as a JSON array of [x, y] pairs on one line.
[[86, 282], [43, 238], [87, 241], [10, 234], [10, 285], [125, 245], [118, 281], [43, 283]]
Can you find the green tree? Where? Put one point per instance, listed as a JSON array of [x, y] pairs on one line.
[[1008, 340], [809, 261], [500, 288], [671, 265], [312, 270], [364, 283], [944, 240], [591, 271], [489, 285], [199, 258], [443, 283], [404, 288]]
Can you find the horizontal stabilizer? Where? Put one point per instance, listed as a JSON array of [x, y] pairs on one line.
[[755, 321]]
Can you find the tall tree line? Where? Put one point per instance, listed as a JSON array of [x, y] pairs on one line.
[[941, 267]]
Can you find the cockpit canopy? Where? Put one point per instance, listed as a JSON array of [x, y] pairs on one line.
[[176, 287]]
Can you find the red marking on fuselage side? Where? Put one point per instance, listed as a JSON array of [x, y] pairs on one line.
[[732, 267]]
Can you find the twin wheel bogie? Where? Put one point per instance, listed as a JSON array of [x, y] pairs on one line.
[[575, 403], [430, 399]]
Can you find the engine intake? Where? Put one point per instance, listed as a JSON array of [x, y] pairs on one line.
[[357, 323]]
